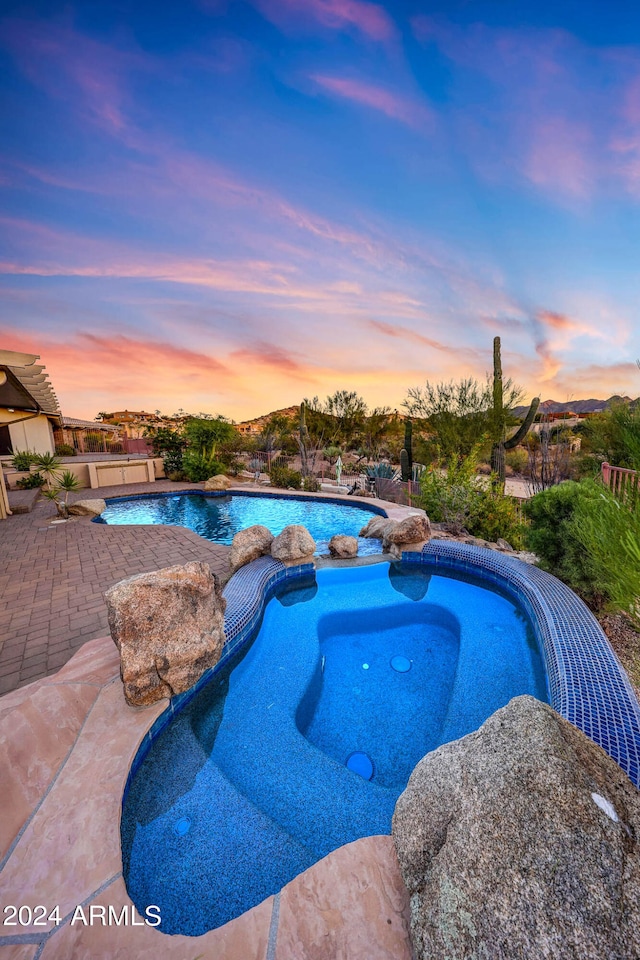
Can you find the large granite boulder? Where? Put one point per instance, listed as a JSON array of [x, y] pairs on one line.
[[169, 628], [521, 840], [378, 527], [87, 508], [409, 534], [294, 545], [343, 547], [248, 545], [219, 482]]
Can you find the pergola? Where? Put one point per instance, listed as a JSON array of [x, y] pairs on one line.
[[25, 386]]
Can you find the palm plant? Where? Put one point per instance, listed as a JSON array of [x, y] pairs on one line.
[[49, 465], [65, 485]]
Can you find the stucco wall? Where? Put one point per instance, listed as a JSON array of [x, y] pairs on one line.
[[33, 434]]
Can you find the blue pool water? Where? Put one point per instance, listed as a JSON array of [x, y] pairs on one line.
[[354, 674], [220, 518]]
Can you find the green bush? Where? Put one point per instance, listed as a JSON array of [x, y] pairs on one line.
[[462, 501], [517, 459], [549, 535], [30, 482], [65, 450], [22, 460], [588, 539], [447, 496], [284, 477], [494, 516], [200, 466], [608, 533], [310, 484]]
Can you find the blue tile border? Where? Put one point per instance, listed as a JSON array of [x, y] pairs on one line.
[[587, 683]]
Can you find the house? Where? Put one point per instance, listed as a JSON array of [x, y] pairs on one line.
[[29, 410]]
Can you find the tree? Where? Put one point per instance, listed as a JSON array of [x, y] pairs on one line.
[[205, 435], [454, 416], [614, 435]]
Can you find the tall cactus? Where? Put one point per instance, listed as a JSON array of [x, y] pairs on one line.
[[406, 454], [502, 444], [303, 441]]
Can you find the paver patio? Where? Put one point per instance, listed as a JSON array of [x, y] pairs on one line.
[[53, 578]]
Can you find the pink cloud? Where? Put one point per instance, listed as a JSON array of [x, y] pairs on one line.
[[270, 355], [406, 111], [560, 156], [368, 19]]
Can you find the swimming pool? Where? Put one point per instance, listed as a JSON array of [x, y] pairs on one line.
[[219, 517], [250, 783]]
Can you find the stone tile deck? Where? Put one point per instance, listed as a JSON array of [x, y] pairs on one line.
[[66, 745], [53, 578]]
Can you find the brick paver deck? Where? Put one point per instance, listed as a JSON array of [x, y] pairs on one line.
[[53, 578]]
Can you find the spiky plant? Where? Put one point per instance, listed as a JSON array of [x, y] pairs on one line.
[[59, 494]]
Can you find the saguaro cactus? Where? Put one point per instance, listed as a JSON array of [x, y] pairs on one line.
[[303, 439], [502, 444], [406, 454]]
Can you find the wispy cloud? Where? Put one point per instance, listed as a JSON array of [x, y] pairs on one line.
[[74, 68], [369, 20], [410, 112], [561, 115]]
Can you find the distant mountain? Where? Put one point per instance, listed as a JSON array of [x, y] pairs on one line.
[[575, 406]]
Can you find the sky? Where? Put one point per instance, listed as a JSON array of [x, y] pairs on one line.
[[229, 205]]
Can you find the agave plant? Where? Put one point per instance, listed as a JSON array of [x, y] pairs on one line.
[[59, 494], [382, 470]]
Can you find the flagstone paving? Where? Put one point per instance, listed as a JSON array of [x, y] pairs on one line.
[[53, 578]]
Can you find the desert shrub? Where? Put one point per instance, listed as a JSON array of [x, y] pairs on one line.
[[284, 477], [517, 459], [22, 460], [30, 482], [462, 501], [200, 466], [608, 532], [311, 484], [494, 516], [447, 496], [587, 538], [549, 535], [65, 450]]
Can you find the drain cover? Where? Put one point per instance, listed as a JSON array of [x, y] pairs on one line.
[[182, 826], [361, 764], [401, 664]]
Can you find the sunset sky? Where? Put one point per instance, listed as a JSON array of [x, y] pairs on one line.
[[229, 205]]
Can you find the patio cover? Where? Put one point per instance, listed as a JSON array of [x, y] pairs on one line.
[[25, 385]]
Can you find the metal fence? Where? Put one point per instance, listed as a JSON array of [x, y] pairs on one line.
[[397, 491]]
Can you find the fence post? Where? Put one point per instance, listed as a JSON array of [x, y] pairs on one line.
[[606, 473]]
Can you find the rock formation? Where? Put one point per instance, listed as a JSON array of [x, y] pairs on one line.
[[521, 840], [343, 547], [87, 508], [248, 545], [294, 545], [219, 482], [169, 628], [409, 534]]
